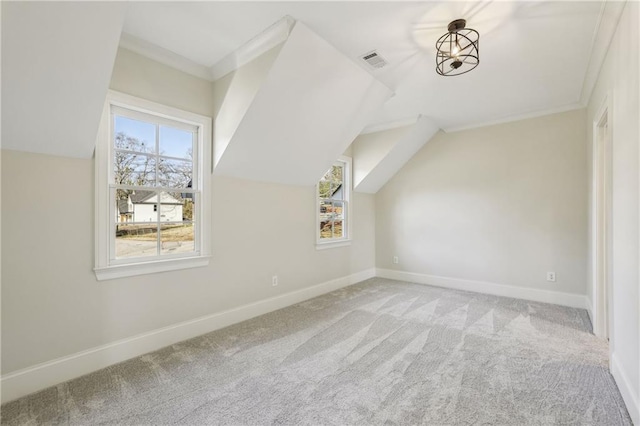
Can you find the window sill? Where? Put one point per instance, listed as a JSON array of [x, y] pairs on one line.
[[332, 244], [133, 269]]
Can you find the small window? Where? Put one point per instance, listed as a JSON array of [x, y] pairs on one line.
[[333, 206], [153, 209]]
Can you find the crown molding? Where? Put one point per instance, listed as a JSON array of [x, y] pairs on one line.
[[263, 42], [164, 56], [518, 117]]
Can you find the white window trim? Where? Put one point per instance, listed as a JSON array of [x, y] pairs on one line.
[[346, 240], [106, 269]]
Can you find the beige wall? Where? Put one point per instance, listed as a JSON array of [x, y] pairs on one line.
[[619, 83], [52, 304], [502, 204], [139, 76]]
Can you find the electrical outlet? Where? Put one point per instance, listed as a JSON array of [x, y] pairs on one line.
[[274, 280], [551, 276], [395, 259]]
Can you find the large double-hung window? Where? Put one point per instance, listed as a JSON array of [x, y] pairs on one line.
[[152, 205]]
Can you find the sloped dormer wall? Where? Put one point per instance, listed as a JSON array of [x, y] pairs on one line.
[[377, 156], [57, 59], [310, 102], [233, 95]]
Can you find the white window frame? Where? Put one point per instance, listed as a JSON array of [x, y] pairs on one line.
[[327, 243], [106, 266]]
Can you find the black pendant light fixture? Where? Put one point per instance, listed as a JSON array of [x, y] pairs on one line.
[[457, 50]]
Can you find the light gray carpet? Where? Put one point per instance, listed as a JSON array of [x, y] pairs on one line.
[[379, 352]]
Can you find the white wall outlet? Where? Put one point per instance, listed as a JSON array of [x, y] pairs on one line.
[[274, 280], [551, 276], [395, 259]]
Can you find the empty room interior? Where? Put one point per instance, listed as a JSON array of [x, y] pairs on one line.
[[320, 213]]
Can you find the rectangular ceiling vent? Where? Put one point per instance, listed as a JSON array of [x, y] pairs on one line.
[[374, 60]]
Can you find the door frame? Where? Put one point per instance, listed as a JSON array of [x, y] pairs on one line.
[[601, 226]]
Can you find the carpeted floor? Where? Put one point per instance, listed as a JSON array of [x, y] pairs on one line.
[[379, 352]]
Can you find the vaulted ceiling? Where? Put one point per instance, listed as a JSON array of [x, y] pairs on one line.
[[534, 56]]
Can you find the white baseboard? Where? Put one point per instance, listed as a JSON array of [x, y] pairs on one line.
[[537, 295], [41, 376], [622, 380]]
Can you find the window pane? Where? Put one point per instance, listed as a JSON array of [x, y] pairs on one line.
[[171, 208], [178, 205], [337, 191], [134, 135], [336, 183], [188, 206], [136, 240], [326, 210], [177, 238], [134, 169], [337, 229], [327, 175], [326, 229], [338, 210], [336, 174], [176, 143], [174, 173], [123, 205], [324, 189]]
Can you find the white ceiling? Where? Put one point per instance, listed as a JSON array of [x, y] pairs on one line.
[[533, 55]]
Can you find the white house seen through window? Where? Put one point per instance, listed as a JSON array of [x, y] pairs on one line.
[[154, 171], [153, 191]]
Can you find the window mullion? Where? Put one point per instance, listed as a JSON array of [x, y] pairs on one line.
[[157, 154], [333, 218], [113, 208], [157, 183], [195, 184], [158, 242]]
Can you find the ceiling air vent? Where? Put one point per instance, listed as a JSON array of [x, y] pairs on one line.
[[374, 60]]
